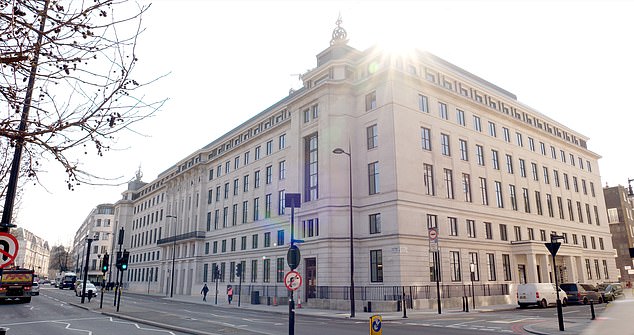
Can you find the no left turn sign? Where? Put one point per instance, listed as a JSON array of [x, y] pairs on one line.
[[8, 249]]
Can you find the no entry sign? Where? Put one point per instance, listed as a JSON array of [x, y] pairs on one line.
[[8, 249]]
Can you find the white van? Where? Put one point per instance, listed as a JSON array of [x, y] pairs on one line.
[[540, 294]]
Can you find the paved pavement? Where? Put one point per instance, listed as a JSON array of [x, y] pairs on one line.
[[613, 321]]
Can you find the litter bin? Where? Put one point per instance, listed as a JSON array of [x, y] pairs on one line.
[[398, 306], [369, 306], [268, 301], [255, 297]]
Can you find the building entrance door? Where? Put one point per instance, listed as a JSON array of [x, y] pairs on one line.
[[310, 278]]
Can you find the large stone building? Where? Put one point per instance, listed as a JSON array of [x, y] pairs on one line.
[[33, 251], [430, 145], [97, 226], [621, 218]]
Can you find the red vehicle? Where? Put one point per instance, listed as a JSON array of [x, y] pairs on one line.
[[16, 284]]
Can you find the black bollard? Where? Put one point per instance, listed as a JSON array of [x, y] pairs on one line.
[[463, 308], [592, 309], [466, 298]]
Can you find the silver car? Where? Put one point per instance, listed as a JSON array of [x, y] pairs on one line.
[[91, 290]]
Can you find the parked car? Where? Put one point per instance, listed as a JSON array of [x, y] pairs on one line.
[[91, 290], [610, 291], [539, 294], [35, 288], [581, 293]]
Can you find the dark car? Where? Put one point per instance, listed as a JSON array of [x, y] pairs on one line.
[[610, 291], [581, 293]]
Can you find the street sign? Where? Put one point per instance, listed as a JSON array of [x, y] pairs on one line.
[[292, 280], [553, 248], [293, 200], [376, 325], [433, 239], [293, 257], [8, 249]]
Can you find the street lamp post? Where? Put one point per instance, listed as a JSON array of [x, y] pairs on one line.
[[553, 247], [472, 268], [173, 255], [339, 151], [83, 289]]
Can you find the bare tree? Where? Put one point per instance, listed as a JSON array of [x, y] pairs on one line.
[[66, 85], [83, 92]]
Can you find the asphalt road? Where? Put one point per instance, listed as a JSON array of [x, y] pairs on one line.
[[53, 312]]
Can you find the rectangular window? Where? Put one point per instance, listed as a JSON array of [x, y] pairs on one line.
[[215, 247], [269, 174], [310, 168], [483, 191], [280, 237], [498, 194], [513, 197], [370, 101], [575, 184], [256, 209], [584, 241], [226, 190], [494, 157], [488, 230], [531, 144], [254, 241], [445, 145], [282, 142], [542, 146], [477, 123], [471, 229], [605, 269], [466, 187], [518, 233], [460, 117], [425, 138], [247, 156], [464, 150], [455, 266], [254, 270], [245, 211], [538, 202], [588, 268], [579, 212], [449, 183], [571, 212], [269, 147], [509, 164], [256, 179], [542, 234], [233, 244], [225, 217], [375, 223], [480, 154], [453, 226], [566, 182], [243, 243], [432, 221], [315, 111], [474, 266], [507, 134], [534, 169], [266, 270], [491, 267], [503, 233], [234, 217], [373, 178], [527, 202], [549, 205], [520, 140], [372, 136], [442, 110], [531, 234], [267, 239], [492, 130], [223, 246], [560, 206], [376, 266], [235, 186], [267, 206], [556, 177], [428, 178], [281, 204], [506, 264], [236, 163], [423, 103], [279, 270], [257, 153], [282, 168]]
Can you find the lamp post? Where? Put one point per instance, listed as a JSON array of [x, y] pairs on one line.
[[173, 255], [472, 268], [339, 151], [83, 283], [553, 247]]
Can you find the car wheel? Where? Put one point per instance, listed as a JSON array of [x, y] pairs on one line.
[[564, 302], [585, 301], [543, 303]]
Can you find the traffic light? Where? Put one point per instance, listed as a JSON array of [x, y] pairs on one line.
[[105, 261], [118, 264], [124, 260], [216, 272], [239, 270]]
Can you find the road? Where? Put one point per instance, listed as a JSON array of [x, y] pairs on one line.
[[56, 312]]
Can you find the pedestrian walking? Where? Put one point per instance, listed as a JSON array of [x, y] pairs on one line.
[[229, 294], [204, 292]]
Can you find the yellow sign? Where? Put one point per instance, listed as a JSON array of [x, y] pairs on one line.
[[376, 326]]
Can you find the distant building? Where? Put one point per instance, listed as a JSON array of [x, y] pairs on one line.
[[99, 226], [60, 261], [431, 145], [620, 208], [33, 251]]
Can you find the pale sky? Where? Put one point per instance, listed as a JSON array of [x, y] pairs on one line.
[[229, 60]]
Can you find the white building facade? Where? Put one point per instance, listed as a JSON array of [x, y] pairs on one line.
[[99, 227], [33, 252], [431, 146]]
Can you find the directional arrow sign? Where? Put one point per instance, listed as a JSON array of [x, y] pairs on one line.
[[553, 248]]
